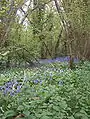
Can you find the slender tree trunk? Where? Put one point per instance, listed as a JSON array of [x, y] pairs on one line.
[[57, 43], [65, 25]]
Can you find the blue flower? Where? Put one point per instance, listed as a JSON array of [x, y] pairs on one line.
[[41, 81], [12, 93], [18, 88], [36, 81], [5, 91], [11, 87], [76, 60]]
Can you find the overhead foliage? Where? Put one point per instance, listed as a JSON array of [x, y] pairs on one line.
[[46, 28]]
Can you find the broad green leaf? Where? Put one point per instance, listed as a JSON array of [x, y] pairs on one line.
[[45, 117], [9, 113], [26, 113], [20, 108], [71, 117]]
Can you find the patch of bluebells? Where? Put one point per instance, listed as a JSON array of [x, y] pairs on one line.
[[37, 81], [11, 88], [59, 59], [65, 59], [41, 79]]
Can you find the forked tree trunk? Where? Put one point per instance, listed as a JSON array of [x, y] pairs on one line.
[[65, 25]]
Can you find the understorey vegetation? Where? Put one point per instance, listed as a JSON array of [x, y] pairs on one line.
[[51, 91]]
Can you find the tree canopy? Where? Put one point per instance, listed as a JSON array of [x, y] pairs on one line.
[[32, 29]]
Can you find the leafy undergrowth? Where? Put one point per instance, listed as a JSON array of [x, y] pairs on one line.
[[48, 92]]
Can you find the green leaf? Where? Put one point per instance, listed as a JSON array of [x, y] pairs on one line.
[[26, 113], [49, 113], [56, 108], [45, 117], [63, 104], [84, 117], [71, 117], [10, 113], [82, 114], [20, 108], [7, 52]]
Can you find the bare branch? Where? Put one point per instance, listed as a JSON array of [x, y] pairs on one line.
[[30, 11]]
